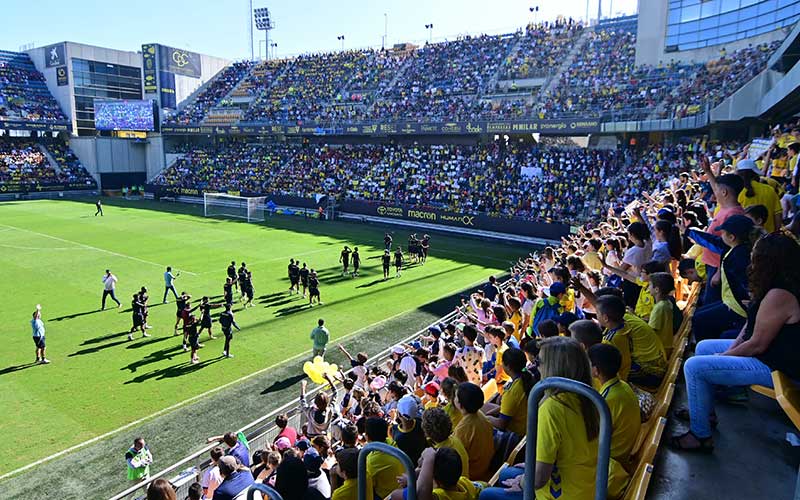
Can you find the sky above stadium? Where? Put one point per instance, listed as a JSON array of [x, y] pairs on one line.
[[220, 27]]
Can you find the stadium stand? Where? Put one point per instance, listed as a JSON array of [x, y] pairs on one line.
[[213, 95], [24, 166], [470, 179], [23, 93], [541, 50]]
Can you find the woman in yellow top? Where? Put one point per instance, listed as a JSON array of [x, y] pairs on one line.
[[756, 193], [661, 318], [513, 409], [566, 444]]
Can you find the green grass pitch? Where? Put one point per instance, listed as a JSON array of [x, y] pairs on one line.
[[54, 253]]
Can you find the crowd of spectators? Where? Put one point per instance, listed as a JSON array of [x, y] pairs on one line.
[[24, 166], [213, 95], [451, 80], [519, 180], [603, 308], [542, 49], [712, 82], [23, 93]]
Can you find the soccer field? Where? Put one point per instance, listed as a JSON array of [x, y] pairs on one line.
[[54, 253]]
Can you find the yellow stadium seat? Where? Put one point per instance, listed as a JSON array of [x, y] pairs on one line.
[[637, 488], [764, 391], [663, 402], [788, 396], [489, 389], [647, 451]]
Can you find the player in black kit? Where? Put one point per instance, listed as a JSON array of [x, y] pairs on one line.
[[387, 241], [425, 245], [205, 307], [138, 318], [247, 288], [386, 260], [232, 273], [294, 277], [182, 312], [226, 321], [313, 289], [227, 290], [398, 260], [344, 258], [356, 261], [304, 272], [193, 337]]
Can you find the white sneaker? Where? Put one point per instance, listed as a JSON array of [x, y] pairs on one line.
[[228, 355], [44, 361], [130, 336], [185, 348], [164, 302], [145, 334], [148, 327]]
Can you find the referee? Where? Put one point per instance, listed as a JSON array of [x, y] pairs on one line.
[[169, 284]]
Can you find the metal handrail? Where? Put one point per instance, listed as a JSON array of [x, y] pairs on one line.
[[411, 488], [604, 445], [268, 491]]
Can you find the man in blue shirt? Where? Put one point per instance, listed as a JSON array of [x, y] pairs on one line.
[[37, 325], [169, 283], [235, 479], [237, 446]]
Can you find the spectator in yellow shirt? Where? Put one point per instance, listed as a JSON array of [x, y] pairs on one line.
[[512, 414], [382, 469], [756, 193], [474, 431], [661, 318], [439, 430], [622, 402], [347, 460]]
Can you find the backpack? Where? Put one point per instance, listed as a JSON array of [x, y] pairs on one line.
[[544, 311]]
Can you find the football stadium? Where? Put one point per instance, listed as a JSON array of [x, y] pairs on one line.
[[556, 260]]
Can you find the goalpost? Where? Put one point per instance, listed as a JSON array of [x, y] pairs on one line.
[[227, 205]]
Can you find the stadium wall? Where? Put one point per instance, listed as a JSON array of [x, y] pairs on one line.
[[65, 94], [108, 155], [651, 38]]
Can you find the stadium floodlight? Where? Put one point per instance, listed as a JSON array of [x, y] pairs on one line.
[[264, 22], [341, 39], [429, 27]]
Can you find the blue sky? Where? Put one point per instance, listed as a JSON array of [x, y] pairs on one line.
[[220, 27]]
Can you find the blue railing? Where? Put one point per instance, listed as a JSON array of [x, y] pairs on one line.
[[604, 446], [268, 492], [411, 489]]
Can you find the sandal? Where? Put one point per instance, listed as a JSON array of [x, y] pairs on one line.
[[683, 414], [705, 445]]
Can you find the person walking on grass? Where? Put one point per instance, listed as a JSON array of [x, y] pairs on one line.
[[99, 206], [320, 336], [169, 284], [227, 321], [37, 325], [109, 287]]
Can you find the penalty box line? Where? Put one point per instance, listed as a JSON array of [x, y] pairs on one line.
[[96, 249]]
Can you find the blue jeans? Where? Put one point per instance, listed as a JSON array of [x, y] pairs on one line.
[[499, 492], [705, 370], [711, 320], [711, 294]]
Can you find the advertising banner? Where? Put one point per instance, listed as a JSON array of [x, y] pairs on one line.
[[509, 225], [44, 126], [545, 127], [55, 55], [13, 187], [167, 84], [62, 77], [179, 61], [149, 67]]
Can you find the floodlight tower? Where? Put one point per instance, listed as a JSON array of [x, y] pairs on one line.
[[264, 23]]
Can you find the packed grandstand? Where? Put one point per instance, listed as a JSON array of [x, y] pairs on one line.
[[680, 269]]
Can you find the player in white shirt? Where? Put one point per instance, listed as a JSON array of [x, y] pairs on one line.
[[109, 286]]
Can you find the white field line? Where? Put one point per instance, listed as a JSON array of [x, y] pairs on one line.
[[96, 249], [182, 403]]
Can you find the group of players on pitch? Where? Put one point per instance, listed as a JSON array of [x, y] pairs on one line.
[[241, 279]]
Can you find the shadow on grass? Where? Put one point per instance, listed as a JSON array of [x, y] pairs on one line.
[[372, 283], [76, 315], [97, 340], [280, 385], [286, 311], [270, 296], [173, 371], [92, 350], [16, 368], [156, 356], [148, 342]]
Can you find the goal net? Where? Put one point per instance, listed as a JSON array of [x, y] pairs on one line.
[[228, 205]]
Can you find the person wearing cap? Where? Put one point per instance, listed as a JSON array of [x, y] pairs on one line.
[[548, 307], [726, 191], [236, 478], [738, 233], [564, 320], [757, 193], [407, 432], [317, 479]]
